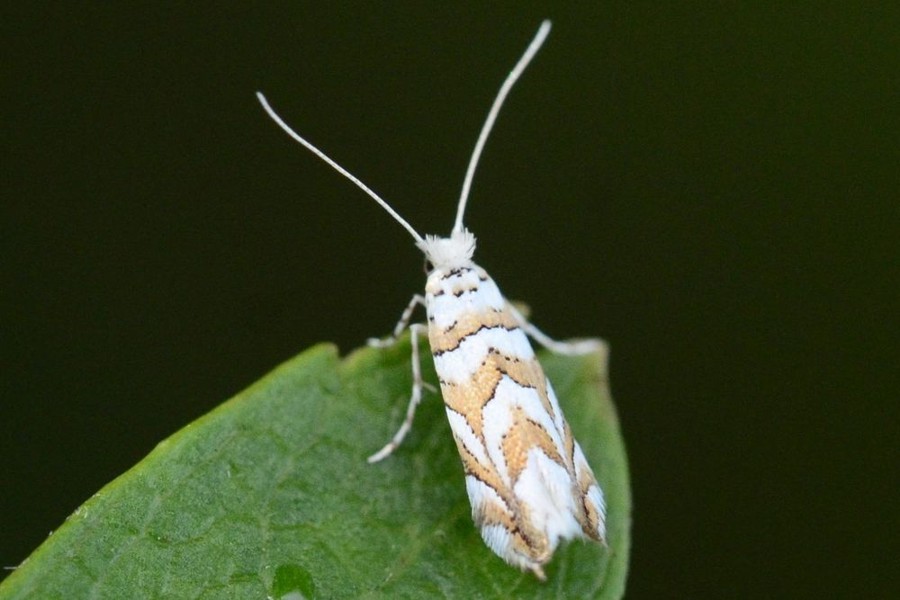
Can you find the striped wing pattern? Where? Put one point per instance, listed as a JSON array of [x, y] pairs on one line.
[[528, 481]]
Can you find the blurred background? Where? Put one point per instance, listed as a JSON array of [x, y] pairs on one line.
[[713, 189]]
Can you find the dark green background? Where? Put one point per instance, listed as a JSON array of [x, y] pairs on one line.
[[713, 189]]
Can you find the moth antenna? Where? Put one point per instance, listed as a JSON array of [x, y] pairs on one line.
[[280, 122], [532, 49]]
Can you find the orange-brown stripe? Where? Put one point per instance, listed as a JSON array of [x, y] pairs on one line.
[[449, 339], [524, 435]]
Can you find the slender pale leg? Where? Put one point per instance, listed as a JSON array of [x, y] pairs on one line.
[[401, 325], [571, 348], [415, 329]]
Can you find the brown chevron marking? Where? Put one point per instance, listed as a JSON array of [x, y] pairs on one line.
[[528, 373], [527, 540], [485, 473], [590, 519], [468, 324], [509, 514], [581, 474], [494, 513], [591, 525], [523, 436], [469, 399], [473, 321], [525, 372], [569, 447]]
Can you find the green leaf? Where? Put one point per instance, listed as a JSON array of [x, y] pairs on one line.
[[270, 495]]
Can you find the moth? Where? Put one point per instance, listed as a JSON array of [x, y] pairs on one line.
[[527, 478]]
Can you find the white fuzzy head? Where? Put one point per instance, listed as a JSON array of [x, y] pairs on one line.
[[451, 252]]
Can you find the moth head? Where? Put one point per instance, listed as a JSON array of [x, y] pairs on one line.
[[448, 252]]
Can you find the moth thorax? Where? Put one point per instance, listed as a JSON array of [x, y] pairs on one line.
[[449, 252]]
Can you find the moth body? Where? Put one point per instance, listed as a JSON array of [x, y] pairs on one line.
[[528, 482]]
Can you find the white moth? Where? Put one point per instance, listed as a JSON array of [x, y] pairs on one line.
[[528, 481]]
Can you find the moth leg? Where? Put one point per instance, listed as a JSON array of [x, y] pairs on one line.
[[401, 325], [574, 347], [415, 329]]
